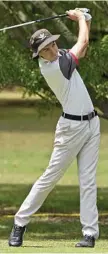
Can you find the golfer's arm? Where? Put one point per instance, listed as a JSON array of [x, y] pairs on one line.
[[88, 25], [83, 39]]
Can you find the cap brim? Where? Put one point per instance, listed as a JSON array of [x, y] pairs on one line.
[[45, 43]]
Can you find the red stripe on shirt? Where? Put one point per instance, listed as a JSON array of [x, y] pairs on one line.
[[74, 57]]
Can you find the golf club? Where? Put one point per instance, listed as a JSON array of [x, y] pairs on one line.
[[85, 10]]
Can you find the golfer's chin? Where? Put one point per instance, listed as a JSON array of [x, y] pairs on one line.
[[53, 58]]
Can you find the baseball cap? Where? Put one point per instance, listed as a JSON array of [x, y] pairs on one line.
[[40, 39]]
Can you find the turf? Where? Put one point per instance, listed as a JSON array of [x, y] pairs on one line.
[[51, 235], [26, 142]]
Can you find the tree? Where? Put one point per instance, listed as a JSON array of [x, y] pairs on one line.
[[16, 65]]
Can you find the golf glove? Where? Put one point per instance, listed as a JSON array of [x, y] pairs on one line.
[[86, 14]]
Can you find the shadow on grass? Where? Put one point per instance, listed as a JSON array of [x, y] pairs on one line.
[[63, 199], [36, 119], [36, 246], [33, 119]]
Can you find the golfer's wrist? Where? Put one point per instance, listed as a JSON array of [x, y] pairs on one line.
[[81, 17]]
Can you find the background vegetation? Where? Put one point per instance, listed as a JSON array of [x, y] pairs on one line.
[[16, 65]]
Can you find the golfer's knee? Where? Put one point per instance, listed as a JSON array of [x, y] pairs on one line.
[[48, 179]]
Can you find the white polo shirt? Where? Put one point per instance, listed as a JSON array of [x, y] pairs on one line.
[[66, 83]]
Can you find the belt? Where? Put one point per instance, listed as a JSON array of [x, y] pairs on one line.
[[80, 118]]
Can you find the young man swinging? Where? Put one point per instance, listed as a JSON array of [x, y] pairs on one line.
[[77, 133]]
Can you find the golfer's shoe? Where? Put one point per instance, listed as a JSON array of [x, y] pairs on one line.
[[16, 236], [87, 241]]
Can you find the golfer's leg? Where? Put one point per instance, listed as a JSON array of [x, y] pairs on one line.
[[87, 163], [62, 156]]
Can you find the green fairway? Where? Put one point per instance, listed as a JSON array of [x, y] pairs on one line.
[[26, 142], [51, 235]]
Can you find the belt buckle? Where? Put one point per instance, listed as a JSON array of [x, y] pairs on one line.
[[91, 115]]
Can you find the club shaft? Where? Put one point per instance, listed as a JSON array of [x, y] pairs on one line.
[[53, 17], [40, 20], [32, 22], [23, 24]]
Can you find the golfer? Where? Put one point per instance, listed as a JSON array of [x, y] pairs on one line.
[[77, 133]]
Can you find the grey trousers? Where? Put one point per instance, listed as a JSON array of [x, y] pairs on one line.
[[72, 139]]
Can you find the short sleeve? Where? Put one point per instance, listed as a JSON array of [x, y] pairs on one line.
[[67, 63]]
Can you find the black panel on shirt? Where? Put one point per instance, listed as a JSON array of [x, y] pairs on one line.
[[67, 63]]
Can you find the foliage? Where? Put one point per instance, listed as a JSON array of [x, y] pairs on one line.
[[94, 69], [17, 67]]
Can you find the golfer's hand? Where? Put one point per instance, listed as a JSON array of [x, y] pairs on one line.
[[75, 15]]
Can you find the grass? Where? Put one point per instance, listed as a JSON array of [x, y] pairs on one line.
[[51, 235], [26, 142]]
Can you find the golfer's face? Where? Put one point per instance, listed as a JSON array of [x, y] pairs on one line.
[[50, 52]]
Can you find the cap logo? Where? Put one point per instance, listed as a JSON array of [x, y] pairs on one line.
[[41, 36]]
